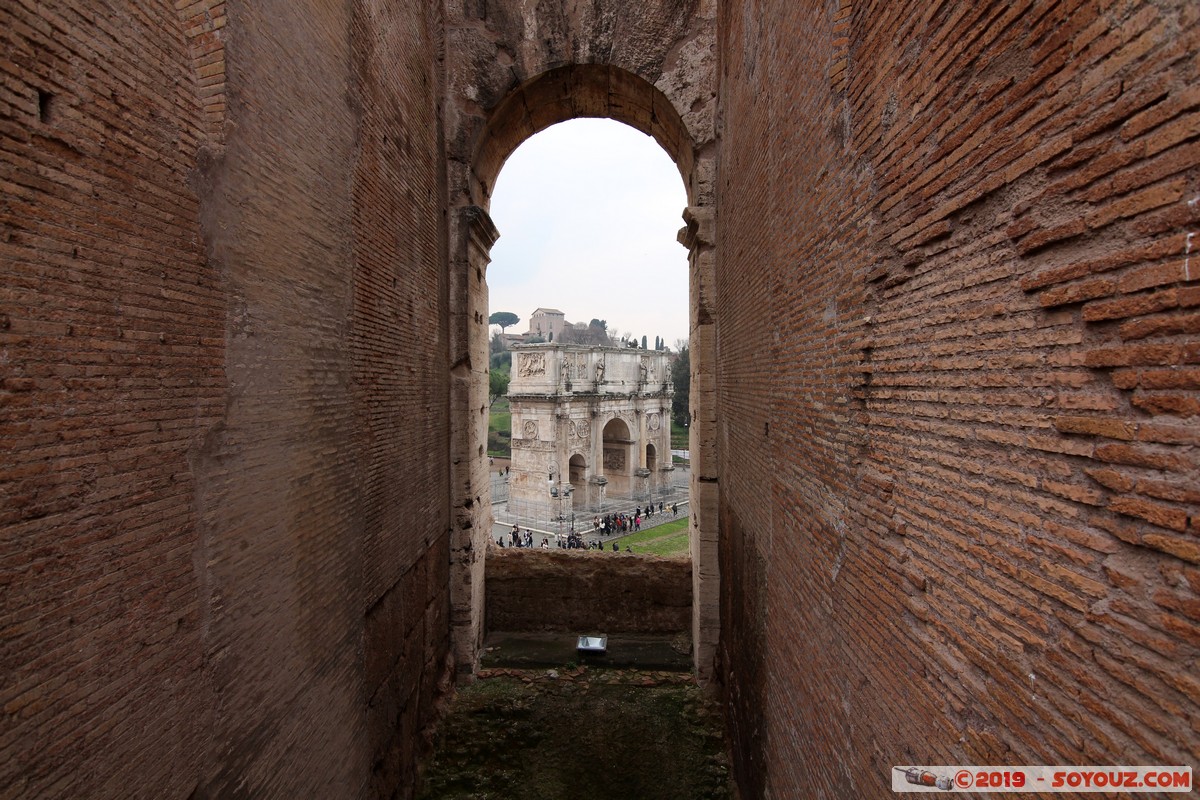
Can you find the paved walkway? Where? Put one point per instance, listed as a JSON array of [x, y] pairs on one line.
[[588, 532]]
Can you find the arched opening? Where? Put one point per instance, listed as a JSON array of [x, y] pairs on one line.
[[557, 95], [577, 469], [574, 92], [590, 212], [619, 462], [651, 458]]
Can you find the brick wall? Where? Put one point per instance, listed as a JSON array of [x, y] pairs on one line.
[[572, 591], [224, 350], [400, 357], [956, 332], [111, 353], [204, 26]]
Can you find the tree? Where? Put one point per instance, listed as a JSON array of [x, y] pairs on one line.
[[503, 319], [644, 342], [501, 361], [681, 376], [593, 333], [497, 385]]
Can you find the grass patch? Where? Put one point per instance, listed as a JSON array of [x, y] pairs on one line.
[[679, 436], [674, 545], [670, 539]]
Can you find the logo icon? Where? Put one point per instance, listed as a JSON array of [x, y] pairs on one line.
[[923, 777]]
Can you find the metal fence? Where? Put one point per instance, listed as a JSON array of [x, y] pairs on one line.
[[499, 488]]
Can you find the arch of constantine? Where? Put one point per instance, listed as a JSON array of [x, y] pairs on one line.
[[590, 425]]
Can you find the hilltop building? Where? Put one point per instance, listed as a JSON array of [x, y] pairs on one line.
[[547, 323]]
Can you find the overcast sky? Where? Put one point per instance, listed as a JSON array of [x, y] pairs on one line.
[[588, 211]]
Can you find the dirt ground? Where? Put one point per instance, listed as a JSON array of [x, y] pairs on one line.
[[583, 734]]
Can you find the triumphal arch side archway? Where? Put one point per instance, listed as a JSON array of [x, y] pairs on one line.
[[518, 70]]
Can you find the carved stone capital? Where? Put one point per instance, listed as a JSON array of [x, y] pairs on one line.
[[701, 227], [482, 233]]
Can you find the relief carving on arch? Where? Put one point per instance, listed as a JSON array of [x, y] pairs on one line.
[[614, 460], [653, 421], [581, 430], [530, 429], [531, 364]]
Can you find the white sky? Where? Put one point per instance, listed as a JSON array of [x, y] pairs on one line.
[[587, 212]]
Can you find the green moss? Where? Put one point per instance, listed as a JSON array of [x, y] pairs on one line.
[[579, 738]]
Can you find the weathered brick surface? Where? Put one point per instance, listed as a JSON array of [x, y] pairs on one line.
[[112, 343], [400, 358], [581, 591], [225, 515], [955, 378], [204, 26]]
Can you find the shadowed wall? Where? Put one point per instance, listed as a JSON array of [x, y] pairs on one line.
[[222, 250], [957, 396]]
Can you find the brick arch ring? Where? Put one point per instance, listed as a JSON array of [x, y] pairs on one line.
[[573, 92]]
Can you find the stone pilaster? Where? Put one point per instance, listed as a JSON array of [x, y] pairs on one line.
[[472, 236], [699, 237]]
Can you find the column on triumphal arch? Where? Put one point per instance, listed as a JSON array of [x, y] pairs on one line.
[[597, 481], [640, 436]]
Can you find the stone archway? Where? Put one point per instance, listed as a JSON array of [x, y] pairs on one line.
[[619, 458], [652, 66], [578, 474]]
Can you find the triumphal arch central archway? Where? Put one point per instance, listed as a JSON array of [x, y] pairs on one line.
[[590, 425]]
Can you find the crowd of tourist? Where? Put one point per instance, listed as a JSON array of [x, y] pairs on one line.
[[608, 525], [611, 524]]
